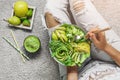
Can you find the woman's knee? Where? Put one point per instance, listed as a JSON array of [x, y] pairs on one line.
[[50, 20]]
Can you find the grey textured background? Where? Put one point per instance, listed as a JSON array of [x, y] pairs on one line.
[[41, 66]]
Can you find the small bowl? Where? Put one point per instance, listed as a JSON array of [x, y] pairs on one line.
[[28, 43]]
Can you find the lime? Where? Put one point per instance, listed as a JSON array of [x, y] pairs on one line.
[[32, 44], [26, 22], [29, 13], [23, 18]]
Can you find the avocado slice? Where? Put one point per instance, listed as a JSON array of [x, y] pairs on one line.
[[32, 44]]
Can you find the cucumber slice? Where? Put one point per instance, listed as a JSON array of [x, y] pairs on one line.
[[83, 58], [32, 44]]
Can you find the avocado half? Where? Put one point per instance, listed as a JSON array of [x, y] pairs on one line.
[[32, 44]]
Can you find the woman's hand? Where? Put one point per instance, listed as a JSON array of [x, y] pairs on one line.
[[98, 39], [100, 42], [72, 73]]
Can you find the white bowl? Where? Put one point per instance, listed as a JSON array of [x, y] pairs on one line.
[[85, 62]]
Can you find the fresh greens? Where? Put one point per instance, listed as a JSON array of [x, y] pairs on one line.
[[65, 49]]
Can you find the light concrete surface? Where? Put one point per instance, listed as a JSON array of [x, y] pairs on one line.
[[41, 66]]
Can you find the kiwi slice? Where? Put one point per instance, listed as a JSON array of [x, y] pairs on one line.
[[32, 44]]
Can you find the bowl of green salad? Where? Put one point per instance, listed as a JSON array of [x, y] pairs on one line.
[[65, 49]]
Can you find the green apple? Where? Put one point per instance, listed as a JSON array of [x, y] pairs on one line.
[[20, 8]]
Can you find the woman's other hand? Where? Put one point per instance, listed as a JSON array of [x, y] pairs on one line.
[[72, 73]]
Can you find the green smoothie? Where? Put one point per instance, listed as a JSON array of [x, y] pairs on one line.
[[32, 44]]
